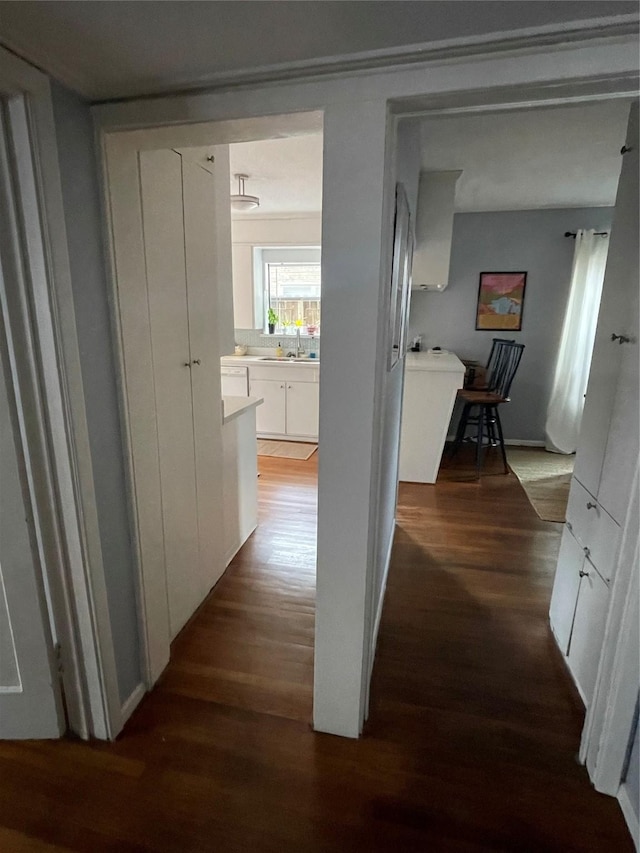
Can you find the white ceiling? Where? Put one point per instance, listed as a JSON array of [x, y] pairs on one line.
[[107, 49], [286, 174], [560, 157]]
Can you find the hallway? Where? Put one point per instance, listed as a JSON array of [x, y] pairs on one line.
[[473, 730]]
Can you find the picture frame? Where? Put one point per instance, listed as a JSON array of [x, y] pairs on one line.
[[400, 285], [500, 304]]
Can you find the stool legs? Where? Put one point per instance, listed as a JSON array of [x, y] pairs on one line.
[[501, 437]]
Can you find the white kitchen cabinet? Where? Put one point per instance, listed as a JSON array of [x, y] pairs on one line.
[[243, 287], [303, 408], [271, 416], [588, 630], [291, 400], [601, 488]]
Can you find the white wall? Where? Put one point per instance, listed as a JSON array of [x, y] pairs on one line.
[[250, 231]]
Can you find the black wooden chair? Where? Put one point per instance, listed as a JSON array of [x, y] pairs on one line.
[[481, 404]]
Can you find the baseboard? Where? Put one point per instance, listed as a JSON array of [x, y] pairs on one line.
[[383, 589], [629, 814], [130, 704], [513, 442]]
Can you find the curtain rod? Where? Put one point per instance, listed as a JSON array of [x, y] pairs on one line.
[[596, 234]]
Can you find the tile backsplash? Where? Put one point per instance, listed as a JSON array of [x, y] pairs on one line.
[[255, 339]]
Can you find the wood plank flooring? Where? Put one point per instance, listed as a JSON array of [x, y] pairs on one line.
[[473, 730]]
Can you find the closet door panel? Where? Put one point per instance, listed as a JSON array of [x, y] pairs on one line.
[[622, 441], [620, 283], [200, 251], [161, 192]]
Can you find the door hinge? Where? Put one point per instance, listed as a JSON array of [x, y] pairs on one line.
[[58, 655]]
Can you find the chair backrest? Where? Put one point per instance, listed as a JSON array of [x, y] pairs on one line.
[[502, 365]]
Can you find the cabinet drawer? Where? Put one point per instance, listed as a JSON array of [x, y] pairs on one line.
[[594, 529], [284, 373]]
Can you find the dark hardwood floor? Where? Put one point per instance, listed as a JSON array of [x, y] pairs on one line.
[[474, 725]]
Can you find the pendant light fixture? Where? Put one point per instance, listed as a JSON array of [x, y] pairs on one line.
[[242, 201]]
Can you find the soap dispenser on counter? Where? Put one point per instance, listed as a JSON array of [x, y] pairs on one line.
[[279, 350]]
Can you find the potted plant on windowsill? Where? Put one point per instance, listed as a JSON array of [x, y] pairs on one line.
[[272, 320]]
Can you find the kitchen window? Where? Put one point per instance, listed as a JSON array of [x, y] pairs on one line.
[[292, 285]]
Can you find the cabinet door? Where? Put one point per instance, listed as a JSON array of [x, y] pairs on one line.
[[588, 631], [303, 404], [198, 193], [616, 316], [161, 194], [565, 589], [270, 416]]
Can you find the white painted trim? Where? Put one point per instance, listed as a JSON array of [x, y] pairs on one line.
[[129, 705], [74, 565], [351, 64], [630, 815], [383, 590]]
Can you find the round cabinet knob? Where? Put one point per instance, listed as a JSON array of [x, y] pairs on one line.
[[583, 574], [591, 505], [187, 364], [196, 361]]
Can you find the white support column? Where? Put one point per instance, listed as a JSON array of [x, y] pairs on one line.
[[355, 143]]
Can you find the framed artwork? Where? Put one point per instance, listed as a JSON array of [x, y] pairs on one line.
[[501, 301], [400, 278]]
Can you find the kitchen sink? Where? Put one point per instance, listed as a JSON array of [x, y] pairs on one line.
[[306, 360]]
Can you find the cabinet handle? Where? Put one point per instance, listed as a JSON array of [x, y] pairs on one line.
[[282, 386], [196, 361], [587, 552], [583, 574], [591, 505], [289, 387], [187, 364], [622, 339]]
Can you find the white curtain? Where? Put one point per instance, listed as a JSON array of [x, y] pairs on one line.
[[564, 414]]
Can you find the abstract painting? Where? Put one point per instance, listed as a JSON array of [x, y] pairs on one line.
[[500, 301]]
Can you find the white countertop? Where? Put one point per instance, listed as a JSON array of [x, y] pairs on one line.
[[442, 362], [233, 407], [268, 361]]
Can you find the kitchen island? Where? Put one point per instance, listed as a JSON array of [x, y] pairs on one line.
[[239, 472], [431, 382]]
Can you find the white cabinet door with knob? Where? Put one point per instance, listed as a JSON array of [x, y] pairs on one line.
[[588, 630], [303, 405], [565, 589], [271, 415]]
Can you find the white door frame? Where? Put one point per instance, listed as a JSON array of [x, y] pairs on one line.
[[45, 350]]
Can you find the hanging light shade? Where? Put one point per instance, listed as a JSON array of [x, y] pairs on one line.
[[242, 201]]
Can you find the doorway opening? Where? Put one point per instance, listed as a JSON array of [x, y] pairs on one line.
[[226, 538]]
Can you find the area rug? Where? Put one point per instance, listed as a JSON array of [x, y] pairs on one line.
[[286, 449], [545, 477]]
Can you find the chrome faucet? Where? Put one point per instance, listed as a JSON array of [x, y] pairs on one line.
[[299, 347]]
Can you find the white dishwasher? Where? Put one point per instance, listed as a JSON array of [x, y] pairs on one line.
[[235, 381]]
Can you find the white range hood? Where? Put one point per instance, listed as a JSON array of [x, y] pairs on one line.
[[434, 230]]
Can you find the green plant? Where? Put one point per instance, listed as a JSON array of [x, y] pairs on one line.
[[272, 317]]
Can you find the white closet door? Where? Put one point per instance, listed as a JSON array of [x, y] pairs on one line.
[[29, 700], [200, 250], [622, 442], [161, 191], [620, 283]]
